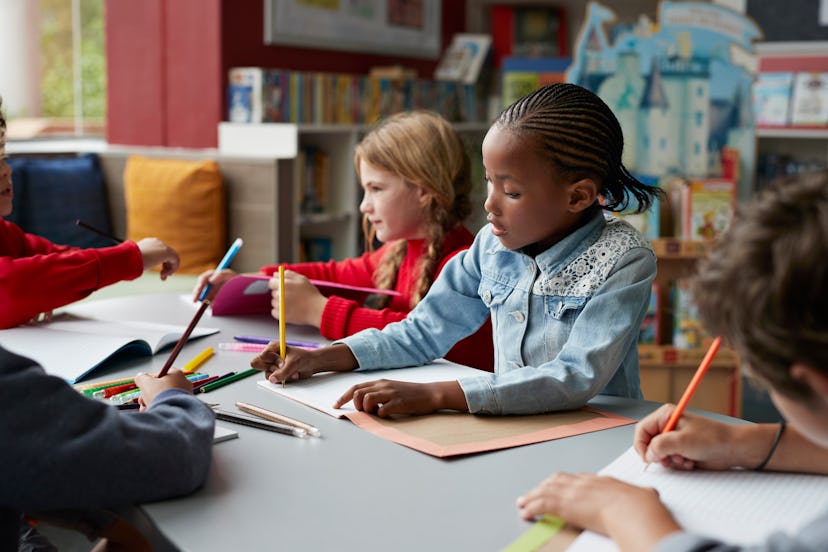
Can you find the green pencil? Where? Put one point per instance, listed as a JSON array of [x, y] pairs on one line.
[[224, 381]]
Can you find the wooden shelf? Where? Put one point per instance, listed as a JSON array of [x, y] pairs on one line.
[[674, 248], [808, 133], [666, 370], [667, 356]]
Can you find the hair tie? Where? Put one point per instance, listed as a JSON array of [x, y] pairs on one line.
[[776, 440]]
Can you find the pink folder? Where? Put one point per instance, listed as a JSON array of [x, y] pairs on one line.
[[249, 294]]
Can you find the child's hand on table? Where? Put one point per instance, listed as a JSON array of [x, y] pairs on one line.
[[633, 516], [388, 397]]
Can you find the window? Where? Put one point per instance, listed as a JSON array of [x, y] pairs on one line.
[[59, 86]]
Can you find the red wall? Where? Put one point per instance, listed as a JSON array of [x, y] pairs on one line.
[[135, 73], [167, 62]]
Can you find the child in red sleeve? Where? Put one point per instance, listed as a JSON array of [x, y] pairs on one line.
[[416, 178], [37, 275]]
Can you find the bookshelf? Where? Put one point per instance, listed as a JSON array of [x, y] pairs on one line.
[[665, 369], [339, 225], [786, 149]]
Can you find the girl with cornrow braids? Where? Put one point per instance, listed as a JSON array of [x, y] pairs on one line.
[[566, 287], [416, 178]]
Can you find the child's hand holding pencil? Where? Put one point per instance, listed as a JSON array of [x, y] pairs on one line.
[[696, 442]]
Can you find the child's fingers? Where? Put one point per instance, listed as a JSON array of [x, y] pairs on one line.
[[345, 398], [650, 427]]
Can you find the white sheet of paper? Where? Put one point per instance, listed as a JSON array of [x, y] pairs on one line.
[[740, 507], [322, 390], [221, 433]]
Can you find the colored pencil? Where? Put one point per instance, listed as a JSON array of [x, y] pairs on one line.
[[221, 382], [224, 263], [198, 360], [274, 417], [692, 386], [282, 350], [98, 232]]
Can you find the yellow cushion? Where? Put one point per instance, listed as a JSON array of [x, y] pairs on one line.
[[182, 204]]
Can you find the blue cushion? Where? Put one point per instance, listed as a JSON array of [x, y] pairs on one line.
[[58, 192], [18, 166]]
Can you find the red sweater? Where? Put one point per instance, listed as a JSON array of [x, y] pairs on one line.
[[38, 276], [344, 317]]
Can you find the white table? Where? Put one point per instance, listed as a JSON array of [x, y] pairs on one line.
[[349, 490]]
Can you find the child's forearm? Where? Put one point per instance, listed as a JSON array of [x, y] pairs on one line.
[[449, 395], [336, 358], [793, 453]]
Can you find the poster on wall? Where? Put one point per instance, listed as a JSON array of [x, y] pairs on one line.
[[680, 86], [409, 28]]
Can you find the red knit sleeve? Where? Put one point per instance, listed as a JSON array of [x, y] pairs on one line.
[[42, 276], [344, 317]]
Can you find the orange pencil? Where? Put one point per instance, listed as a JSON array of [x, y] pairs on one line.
[[693, 385]]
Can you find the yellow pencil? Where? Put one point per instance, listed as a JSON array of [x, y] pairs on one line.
[[198, 360], [282, 351]]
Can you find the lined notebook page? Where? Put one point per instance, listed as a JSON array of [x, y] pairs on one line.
[[740, 507]]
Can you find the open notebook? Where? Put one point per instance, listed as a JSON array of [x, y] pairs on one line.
[[249, 294], [739, 507], [72, 346]]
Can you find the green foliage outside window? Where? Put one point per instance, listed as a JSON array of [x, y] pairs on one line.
[[56, 61]]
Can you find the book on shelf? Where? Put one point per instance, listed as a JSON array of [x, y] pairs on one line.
[[464, 59], [809, 100], [250, 294], [528, 31], [520, 76], [317, 248], [772, 98], [688, 331], [78, 345], [312, 178], [650, 332], [244, 95], [701, 207], [257, 95]]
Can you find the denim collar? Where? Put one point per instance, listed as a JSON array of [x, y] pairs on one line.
[[563, 252]]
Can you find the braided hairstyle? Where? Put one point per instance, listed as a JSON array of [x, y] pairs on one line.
[[422, 148], [582, 138]]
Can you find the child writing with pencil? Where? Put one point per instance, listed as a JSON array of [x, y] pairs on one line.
[[565, 286], [763, 288], [37, 276], [63, 451], [416, 179]]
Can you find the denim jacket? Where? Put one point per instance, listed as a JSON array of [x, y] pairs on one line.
[[565, 323]]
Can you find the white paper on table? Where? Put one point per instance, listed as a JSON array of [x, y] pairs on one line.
[[737, 506], [323, 389]]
